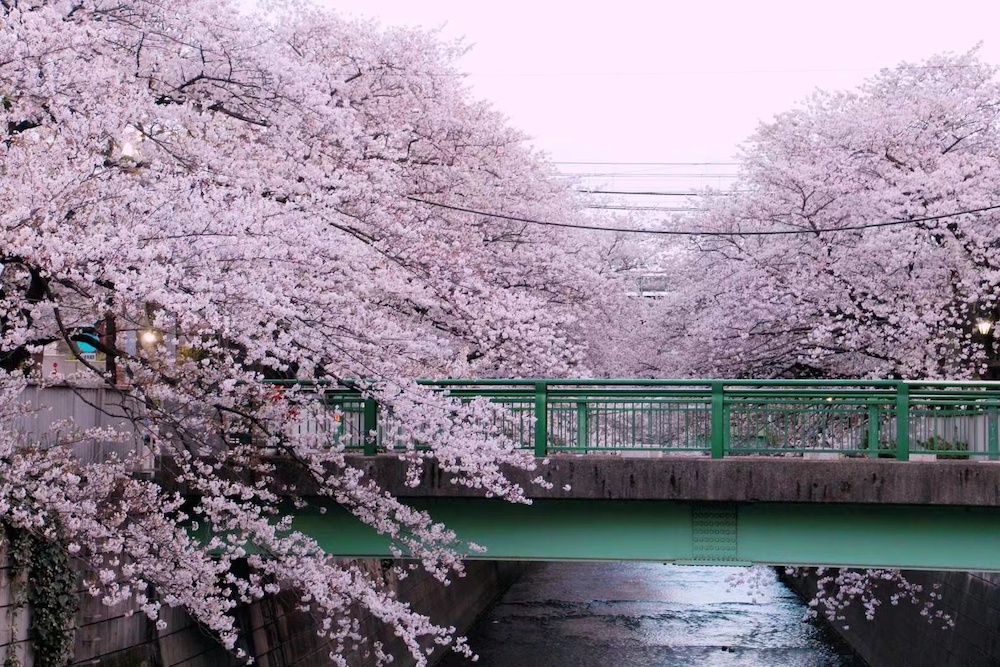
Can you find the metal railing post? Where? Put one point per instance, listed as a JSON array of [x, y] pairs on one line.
[[718, 421], [873, 428], [902, 421], [582, 426], [992, 432], [541, 419], [369, 424]]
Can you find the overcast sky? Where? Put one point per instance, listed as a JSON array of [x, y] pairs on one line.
[[632, 81]]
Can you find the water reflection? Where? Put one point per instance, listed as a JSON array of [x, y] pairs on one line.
[[647, 615]]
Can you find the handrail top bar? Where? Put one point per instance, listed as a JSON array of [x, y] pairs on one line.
[[677, 382]]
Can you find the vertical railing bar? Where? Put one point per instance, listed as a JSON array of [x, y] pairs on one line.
[[369, 424], [873, 428], [718, 420], [582, 426], [992, 431], [633, 410], [541, 419], [902, 421]]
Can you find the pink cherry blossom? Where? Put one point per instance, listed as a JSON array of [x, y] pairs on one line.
[[212, 199]]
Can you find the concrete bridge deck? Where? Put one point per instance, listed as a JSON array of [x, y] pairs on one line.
[[747, 479]]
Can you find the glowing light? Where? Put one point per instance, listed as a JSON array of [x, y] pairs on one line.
[[148, 337], [984, 325]]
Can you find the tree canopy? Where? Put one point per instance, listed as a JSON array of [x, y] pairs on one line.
[[845, 294], [211, 200]]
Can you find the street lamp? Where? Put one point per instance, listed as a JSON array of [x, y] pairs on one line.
[[984, 325]]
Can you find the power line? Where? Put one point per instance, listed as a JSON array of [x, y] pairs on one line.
[[740, 72], [633, 207], [686, 232], [655, 164], [658, 193], [646, 174]]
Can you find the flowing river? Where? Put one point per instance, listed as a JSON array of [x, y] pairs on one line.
[[647, 615]]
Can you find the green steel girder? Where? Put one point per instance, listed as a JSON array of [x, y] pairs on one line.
[[841, 535]]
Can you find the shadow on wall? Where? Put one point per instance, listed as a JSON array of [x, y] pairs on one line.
[[273, 630], [900, 635]]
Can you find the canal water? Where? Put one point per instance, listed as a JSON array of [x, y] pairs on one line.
[[647, 615]]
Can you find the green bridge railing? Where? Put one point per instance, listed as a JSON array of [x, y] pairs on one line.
[[717, 418]]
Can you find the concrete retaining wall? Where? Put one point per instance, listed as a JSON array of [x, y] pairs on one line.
[[273, 630], [900, 635], [461, 603], [284, 636]]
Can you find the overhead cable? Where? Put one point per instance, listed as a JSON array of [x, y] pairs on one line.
[[655, 164], [644, 174], [688, 232], [659, 193], [633, 207]]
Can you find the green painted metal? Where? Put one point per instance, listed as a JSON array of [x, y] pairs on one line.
[[718, 421], [719, 418], [545, 530], [370, 427], [912, 537], [903, 422], [871, 444], [541, 419], [714, 534], [993, 433], [582, 426]]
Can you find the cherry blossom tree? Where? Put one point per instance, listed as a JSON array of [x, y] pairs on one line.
[[211, 200], [916, 144], [861, 240]]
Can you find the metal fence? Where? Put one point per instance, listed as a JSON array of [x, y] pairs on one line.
[[717, 418], [59, 415]]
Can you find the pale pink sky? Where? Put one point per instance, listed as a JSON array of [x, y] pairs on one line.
[[635, 81]]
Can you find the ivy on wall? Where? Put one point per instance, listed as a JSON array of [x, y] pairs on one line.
[[42, 578]]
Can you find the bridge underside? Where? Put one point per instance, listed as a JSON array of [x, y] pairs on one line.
[[841, 535]]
